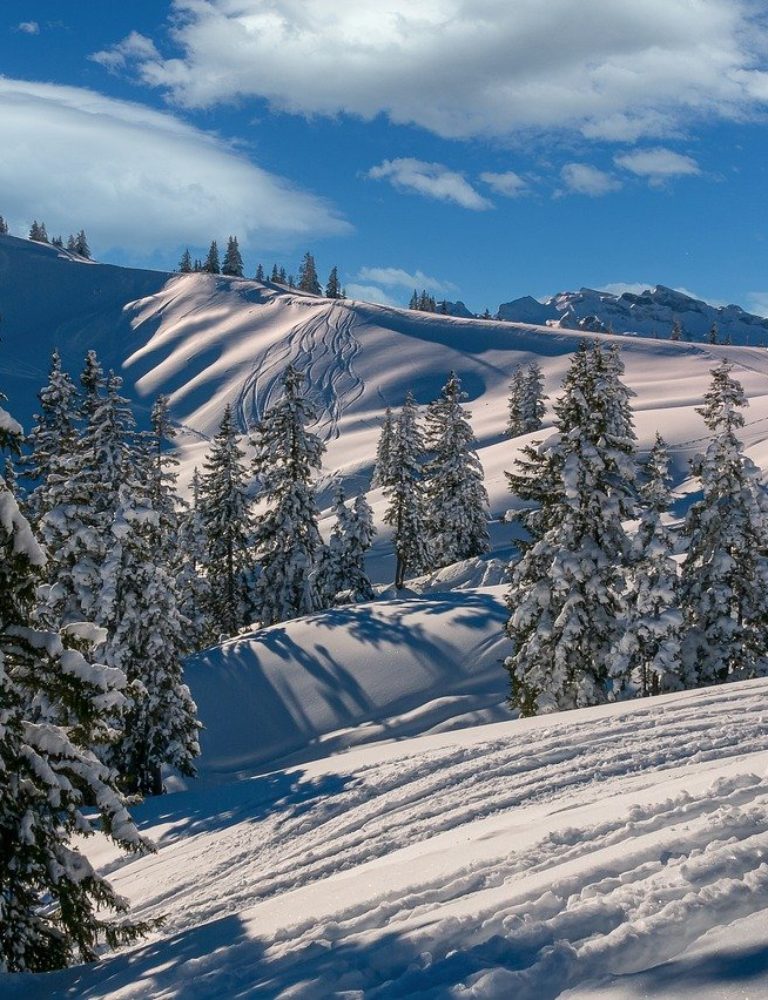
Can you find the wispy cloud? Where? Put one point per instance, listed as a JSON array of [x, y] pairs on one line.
[[614, 71], [369, 293], [28, 27], [433, 180], [397, 277], [758, 302], [657, 165], [139, 179], [581, 178], [509, 184], [134, 46]]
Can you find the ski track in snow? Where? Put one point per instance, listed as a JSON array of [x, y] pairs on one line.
[[618, 892], [324, 348]]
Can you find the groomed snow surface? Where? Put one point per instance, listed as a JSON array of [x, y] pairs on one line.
[[614, 852]]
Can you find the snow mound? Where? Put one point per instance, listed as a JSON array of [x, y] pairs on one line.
[[366, 672]]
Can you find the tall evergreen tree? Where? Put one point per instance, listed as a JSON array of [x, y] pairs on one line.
[[515, 403], [212, 265], [405, 491], [185, 264], [226, 517], [52, 441], [275, 275], [414, 300], [333, 289], [71, 243], [532, 404], [260, 272], [725, 578], [565, 596], [287, 541], [647, 658], [3, 227], [233, 261], [37, 232], [382, 472], [81, 245], [456, 499], [146, 640], [308, 280], [193, 586], [51, 784]]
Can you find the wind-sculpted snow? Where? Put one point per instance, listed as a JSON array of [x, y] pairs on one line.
[[324, 349], [521, 859]]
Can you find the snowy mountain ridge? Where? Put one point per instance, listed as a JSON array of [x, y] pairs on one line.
[[650, 314]]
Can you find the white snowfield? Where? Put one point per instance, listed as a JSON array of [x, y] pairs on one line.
[[563, 856]]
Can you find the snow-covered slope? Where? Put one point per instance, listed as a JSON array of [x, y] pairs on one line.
[[210, 340], [522, 859], [650, 314]]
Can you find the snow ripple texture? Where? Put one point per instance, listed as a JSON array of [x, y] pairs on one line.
[[324, 348], [517, 860]]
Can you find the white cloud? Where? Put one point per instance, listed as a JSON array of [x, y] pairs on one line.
[[134, 46], [399, 278], [657, 165], [757, 302], [581, 178], [28, 27], [430, 179], [369, 293], [509, 184], [614, 70], [136, 178]]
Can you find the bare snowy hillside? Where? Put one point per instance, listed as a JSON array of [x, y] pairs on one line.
[[209, 340], [611, 852]]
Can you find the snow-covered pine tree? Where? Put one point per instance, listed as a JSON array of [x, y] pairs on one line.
[[565, 596], [456, 499], [146, 639], [712, 337], [647, 657], [71, 243], [51, 784], [226, 516], [3, 227], [515, 403], [382, 471], [288, 546], [724, 584], [259, 272], [413, 302], [212, 265], [233, 261], [342, 577], [52, 441], [308, 281], [532, 407], [333, 289], [37, 232], [405, 491], [677, 330], [185, 264], [81, 245], [193, 587]]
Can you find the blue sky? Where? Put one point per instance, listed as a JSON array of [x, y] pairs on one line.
[[485, 149]]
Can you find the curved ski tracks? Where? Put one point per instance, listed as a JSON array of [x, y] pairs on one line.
[[324, 348]]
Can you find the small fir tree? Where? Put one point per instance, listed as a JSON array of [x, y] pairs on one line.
[[342, 578], [185, 264], [37, 232], [382, 472], [456, 499], [332, 288], [677, 330], [308, 281], [533, 407], [226, 516], [259, 273], [647, 658], [212, 265], [81, 245], [515, 403], [287, 541], [405, 491], [712, 338], [3, 227], [233, 262], [724, 584]]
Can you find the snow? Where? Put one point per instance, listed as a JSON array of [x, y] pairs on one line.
[[370, 820], [523, 858]]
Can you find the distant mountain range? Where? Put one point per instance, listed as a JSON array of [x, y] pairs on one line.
[[649, 314]]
